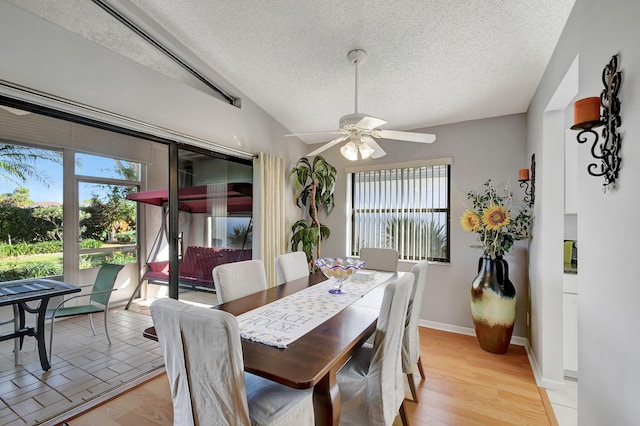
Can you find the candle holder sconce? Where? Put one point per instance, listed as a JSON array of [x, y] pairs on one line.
[[529, 183], [589, 115]]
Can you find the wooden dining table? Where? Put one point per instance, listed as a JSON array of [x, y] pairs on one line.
[[313, 360]]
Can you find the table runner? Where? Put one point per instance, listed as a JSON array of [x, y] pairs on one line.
[[285, 320]]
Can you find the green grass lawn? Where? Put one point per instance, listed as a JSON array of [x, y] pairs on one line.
[[13, 262], [89, 260]]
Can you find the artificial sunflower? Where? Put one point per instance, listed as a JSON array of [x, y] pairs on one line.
[[490, 218], [495, 217], [470, 221]]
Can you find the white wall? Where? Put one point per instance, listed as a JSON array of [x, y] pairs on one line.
[[493, 148], [609, 382]]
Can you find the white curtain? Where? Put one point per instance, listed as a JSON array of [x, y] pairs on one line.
[[216, 230], [270, 173]]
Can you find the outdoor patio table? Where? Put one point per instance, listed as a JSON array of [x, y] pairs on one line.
[[18, 293]]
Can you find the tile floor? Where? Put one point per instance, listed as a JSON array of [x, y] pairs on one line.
[[83, 366], [565, 403]]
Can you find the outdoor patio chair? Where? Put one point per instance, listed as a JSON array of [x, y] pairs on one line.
[[17, 342], [98, 302]]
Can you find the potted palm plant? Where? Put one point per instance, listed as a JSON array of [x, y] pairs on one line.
[[314, 183]]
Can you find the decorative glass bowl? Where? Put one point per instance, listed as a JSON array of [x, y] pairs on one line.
[[338, 270]]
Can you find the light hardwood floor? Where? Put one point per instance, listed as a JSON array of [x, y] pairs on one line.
[[464, 386]]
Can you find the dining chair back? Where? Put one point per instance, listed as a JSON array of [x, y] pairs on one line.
[[411, 338], [291, 266], [380, 259], [239, 279], [203, 359], [371, 383], [98, 302]]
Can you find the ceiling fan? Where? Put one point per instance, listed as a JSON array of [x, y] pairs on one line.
[[361, 129]]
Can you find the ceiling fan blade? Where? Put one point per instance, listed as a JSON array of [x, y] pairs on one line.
[[404, 136], [329, 145], [377, 149], [370, 123], [329, 132]]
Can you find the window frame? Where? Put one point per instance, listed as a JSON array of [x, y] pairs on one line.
[[404, 166], [92, 180]]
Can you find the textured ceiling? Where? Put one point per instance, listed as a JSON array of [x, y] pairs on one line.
[[429, 61]]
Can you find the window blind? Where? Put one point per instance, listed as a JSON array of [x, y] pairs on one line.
[[406, 208], [36, 129]]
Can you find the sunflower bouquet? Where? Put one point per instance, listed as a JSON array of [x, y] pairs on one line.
[[491, 219]]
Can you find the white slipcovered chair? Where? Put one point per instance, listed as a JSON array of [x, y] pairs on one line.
[[371, 384], [239, 279], [291, 266], [411, 338], [203, 359], [380, 259]]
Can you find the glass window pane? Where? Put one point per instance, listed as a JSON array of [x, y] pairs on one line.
[[104, 167], [107, 224], [215, 205], [30, 212], [406, 209], [118, 255]]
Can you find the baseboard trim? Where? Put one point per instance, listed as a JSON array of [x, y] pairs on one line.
[[516, 340], [447, 327], [535, 368]]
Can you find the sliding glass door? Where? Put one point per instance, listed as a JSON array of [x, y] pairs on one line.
[[213, 223]]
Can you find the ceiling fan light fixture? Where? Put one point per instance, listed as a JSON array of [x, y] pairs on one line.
[[361, 130], [350, 151], [365, 150]]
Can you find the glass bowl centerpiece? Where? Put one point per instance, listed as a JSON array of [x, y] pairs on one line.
[[338, 270]]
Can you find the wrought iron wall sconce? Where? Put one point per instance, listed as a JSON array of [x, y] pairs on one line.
[[529, 183], [588, 115]]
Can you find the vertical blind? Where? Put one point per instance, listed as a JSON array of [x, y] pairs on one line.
[[405, 208]]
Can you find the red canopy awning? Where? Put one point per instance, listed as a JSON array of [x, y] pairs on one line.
[[200, 199]]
